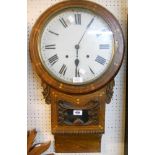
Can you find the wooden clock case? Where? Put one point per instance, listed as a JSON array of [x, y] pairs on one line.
[[77, 133]]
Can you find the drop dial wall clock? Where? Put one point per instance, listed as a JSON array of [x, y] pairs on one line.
[[77, 48]]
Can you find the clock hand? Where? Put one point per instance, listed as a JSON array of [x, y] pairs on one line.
[[86, 29], [78, 46], [77, 61], [77, 50], [76, 67]]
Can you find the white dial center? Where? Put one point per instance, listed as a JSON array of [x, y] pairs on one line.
[[76, 46]]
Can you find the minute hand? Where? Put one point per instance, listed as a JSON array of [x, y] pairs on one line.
[[86, 29]]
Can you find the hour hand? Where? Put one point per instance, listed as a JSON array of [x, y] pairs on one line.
[[77, 62], [76, 67], [76, 72]]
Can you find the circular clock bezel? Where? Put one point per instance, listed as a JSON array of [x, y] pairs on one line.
[[118, 47]]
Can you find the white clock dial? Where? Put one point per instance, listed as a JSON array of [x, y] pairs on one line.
[[76, 46]]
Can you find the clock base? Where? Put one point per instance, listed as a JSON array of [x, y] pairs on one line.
[[79, 143]]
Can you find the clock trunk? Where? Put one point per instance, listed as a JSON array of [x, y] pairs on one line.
[[78, 121]]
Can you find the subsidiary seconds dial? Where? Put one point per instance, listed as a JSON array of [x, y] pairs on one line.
[[76, 46]]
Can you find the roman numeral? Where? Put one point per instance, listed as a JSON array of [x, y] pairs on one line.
[[52, 46], [53, 59], [53, 33], [104, 46], [78, 19], [91, 71], [63, 22], [100, 60], [77, 72], [63, 70]]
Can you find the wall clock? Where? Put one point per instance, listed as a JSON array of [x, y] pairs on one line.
[[77, 48]]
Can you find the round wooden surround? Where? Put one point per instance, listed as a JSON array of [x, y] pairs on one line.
[[118, 48]]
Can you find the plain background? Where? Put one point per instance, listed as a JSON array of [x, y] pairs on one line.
[[13, 77]]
